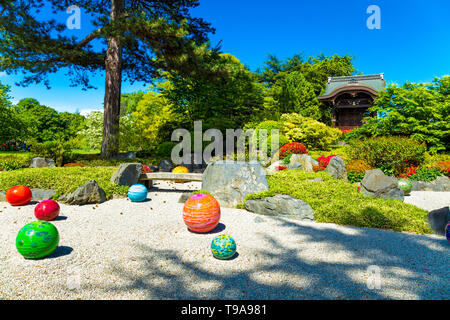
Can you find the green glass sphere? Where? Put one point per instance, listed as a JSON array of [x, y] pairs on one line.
[[405, 185], [37, 239]]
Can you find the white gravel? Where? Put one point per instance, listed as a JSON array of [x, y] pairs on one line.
[[429, 200], [125, 250]]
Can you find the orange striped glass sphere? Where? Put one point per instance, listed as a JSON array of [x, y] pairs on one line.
[[201, 212]]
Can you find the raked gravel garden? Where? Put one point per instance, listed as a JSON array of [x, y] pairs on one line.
[[129, 250]]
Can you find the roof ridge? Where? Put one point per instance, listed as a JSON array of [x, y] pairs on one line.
[[379, 76]]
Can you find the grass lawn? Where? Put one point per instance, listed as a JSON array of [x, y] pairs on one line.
[[336, 201], [62, 180]]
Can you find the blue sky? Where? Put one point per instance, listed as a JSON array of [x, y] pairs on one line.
[[413, 43]]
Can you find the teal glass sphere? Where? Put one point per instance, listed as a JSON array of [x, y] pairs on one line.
[[223, 247], [137, 193]]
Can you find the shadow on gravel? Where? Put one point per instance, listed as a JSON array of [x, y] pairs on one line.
[[407, 259], [60, 252]]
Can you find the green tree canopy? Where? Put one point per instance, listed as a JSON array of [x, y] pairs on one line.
[[227, 103], [421, 111], [138, 39]]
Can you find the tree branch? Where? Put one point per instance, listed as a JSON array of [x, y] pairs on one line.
[[88, 38]]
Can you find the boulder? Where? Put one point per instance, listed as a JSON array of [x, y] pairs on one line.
[[126, 155], [376, 184], [230, 181], [42, 194], [127, 174], [89, 193], [441, 183], [275, 156], [438, 219], [305, 161], [278, 163], [281, 205], [336, 168], [165, 166], [192, 166], [39, 162]]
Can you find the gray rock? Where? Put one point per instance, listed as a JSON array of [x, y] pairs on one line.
[[126, 155], [89, 193], [39, 162], [184, 196], [376, 184], [165, 166], [275, 164], [281, 205], [336, 168], [42, 194], [295, 165], [305, 161], [195, 164], [127, 174], [230, 181], [441, 183], [2, 196], [438, 219]]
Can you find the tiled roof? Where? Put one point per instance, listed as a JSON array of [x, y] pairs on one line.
[[375, 81]]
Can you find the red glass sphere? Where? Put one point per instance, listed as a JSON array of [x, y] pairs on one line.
[[46, 210], [19, 195]]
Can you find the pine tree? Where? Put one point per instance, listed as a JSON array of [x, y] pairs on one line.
[[140, 39]]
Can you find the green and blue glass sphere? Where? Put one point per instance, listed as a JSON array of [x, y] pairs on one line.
[[37, 239], [405, 185], [137, 193], [223, 247]]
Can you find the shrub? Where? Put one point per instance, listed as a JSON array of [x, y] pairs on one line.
[[444, 167], [324, 161], [282, 140], [312, 133], [391, 154], [13, 163], [60, 151], [358, 166], [421, 173], [318, 168], [293, 147], [419, 111], [73, 164], [355, 176], [146, 169], [165, 148]]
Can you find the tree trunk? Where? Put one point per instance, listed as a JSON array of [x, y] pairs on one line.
[[113, 84]]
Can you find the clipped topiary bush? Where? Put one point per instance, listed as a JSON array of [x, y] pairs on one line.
[[291, 148], [390, 154]]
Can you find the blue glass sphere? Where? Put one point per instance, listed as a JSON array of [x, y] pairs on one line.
[[447, 232], [137, 193], [223, 247]]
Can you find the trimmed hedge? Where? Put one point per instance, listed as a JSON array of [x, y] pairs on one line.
[[63, 180], [336, 201]]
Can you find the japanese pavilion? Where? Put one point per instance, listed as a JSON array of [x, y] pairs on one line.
[[350, 98]]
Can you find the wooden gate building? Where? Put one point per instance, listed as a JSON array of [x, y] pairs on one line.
[[350, 98]]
